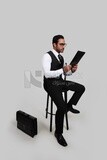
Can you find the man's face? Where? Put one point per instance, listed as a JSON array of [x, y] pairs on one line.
[[60, 46]]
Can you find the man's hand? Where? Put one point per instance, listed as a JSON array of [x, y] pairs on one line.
[[74, 68], [67, 68]]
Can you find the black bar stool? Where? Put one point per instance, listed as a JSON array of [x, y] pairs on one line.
[[51, 110]]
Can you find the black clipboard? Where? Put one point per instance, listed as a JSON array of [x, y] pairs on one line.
[[77, 58]]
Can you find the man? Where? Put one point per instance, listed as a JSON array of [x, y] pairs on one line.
[[54, 84]]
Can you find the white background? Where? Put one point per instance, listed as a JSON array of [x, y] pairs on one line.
[[26, 31]]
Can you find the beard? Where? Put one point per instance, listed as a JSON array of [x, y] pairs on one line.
[[59, 50], [62, 50]]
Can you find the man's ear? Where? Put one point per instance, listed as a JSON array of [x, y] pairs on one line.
[[54, 45]]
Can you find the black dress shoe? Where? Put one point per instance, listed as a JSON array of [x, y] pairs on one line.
[[60, 139], [71, 109]]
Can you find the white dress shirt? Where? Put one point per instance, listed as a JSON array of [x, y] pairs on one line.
[[46, 64]]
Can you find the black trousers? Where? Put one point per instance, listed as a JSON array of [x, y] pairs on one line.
[[55, 87]]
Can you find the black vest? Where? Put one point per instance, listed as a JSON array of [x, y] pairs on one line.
[[55, 64]]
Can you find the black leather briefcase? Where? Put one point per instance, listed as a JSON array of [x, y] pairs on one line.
[[26, 123]]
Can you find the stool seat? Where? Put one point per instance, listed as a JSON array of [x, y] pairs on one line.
[[51, 110]]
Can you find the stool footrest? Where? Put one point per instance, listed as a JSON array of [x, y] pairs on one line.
[[51, 113]]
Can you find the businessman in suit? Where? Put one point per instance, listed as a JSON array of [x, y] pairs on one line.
[[54, 84]]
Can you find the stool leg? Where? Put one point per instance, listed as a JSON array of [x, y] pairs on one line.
[[67, 121], [47, 105], [66, 115], [51, 115]]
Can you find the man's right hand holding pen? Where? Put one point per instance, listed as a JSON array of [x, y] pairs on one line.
[[70, 67]]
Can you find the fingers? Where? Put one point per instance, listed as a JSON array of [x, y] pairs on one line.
[[67, 68], [74, 68], [76, 65]]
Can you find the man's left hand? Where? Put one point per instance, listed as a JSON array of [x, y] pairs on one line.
[[74, 68]]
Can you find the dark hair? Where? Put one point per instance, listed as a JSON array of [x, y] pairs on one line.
[[56, 38]]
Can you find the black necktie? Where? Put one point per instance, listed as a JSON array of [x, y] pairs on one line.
[[61, 59]]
